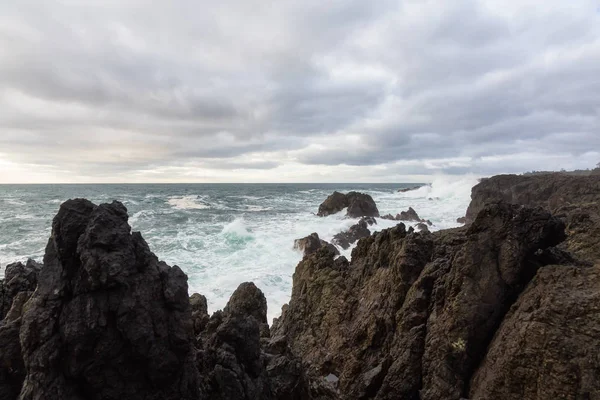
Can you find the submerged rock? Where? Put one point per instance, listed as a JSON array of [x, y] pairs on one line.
[[358, 204], [410, 189]]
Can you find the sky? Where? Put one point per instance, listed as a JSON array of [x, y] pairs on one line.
[[296, 91]]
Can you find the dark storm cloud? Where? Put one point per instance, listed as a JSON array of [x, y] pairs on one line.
[[111, 87]]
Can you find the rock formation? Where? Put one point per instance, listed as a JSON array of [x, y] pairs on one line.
[[312, 243], [358, 204], [575, 199], [108, 320], [412, 315]]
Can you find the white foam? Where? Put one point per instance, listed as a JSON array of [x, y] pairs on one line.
[[237, 227], [187, 203]]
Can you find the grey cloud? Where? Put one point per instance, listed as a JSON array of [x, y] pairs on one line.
[[190, 82]]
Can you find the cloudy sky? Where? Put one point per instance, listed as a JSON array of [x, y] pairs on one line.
[[311, 90]]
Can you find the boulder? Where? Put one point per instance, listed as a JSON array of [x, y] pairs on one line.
[[412, 315], [108, 320], [312, 243], [357, 204], [422, 227]]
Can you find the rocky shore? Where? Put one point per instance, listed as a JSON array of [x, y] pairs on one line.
[[506, 307]]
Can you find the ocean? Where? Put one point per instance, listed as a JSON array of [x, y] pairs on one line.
[[223, 234]]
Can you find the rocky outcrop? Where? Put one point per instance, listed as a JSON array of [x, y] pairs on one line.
[[357, 204], [354, 233], [546, 346], [413, 313], [107, 320], [104, 319], [311, 243], [238, 360], [575, 199]]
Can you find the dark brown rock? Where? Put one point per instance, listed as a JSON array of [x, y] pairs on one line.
[[461, 220], [18, 277], [546, 346], [312, 243], [575, 199], [358, 204], [412, 314]]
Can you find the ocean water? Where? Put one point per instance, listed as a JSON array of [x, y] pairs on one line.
[[222, 234]]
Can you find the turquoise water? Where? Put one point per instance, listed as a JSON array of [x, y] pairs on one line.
[[219, 234]]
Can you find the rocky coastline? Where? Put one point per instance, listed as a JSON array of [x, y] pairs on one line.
[[505, 307]]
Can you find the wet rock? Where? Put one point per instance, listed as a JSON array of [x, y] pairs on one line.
[[461, 220], [347, 238], [311, 243], [200, 317], [357, 204], [108, 320], [412, 315]]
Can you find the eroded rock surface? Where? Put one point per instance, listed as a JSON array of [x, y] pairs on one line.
[[546, 348], [354, 233], [108, 320], [575, 199], [412, 314]]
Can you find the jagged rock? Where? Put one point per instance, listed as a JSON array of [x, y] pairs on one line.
[[575, 199], [461, 220], [546, 346], [312, 243], [200, 317], [409, 215], [355, 232], [108, 320], [358, 204], [234, 365], [18, 277], [412, 315]]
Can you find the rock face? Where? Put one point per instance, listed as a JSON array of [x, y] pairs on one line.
[[357, 231], [18, 277], [575, 199], [413, 313], [546, 346], [108, 320], [312, 243], [15, 290], [358, 204]]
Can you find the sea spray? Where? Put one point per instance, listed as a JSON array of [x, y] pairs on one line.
[[222, 235]]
